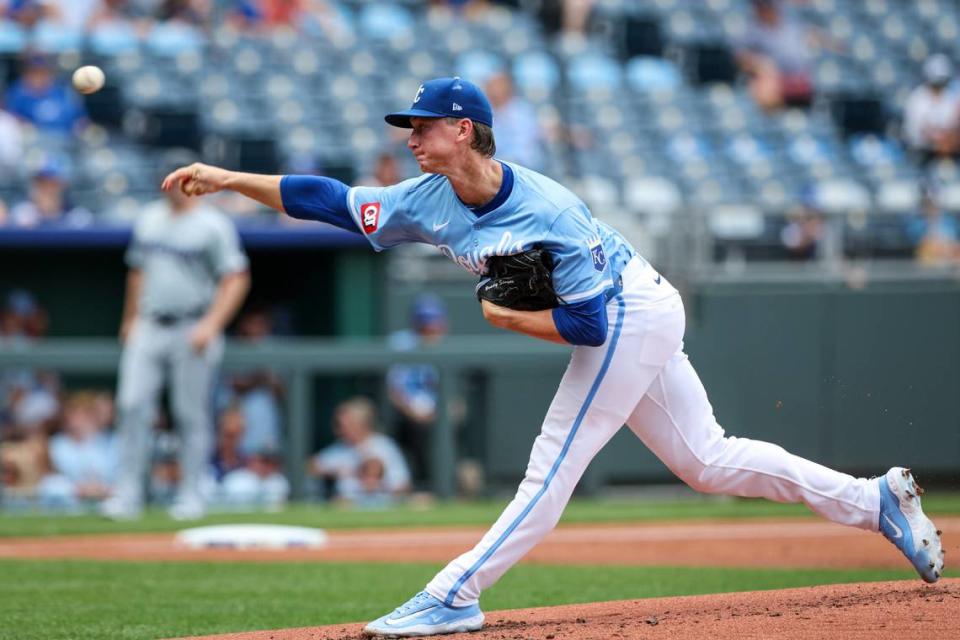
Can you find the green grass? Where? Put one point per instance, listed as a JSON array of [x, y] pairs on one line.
[[80, 600], [452, 514]]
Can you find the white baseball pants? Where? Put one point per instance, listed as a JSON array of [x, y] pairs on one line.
[[641, 377]]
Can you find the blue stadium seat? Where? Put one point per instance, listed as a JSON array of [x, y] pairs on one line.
[[841, 196], [686, 147], [56, 38], [736, 222], [871, 150], [652, 196], [113, 38], [594, 73], [898, 196], [13, 37], [168, 39], [536, 75], [478, 65], [646, 74], [384, 21]]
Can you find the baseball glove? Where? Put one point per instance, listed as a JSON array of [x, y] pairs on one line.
[[522, 281]]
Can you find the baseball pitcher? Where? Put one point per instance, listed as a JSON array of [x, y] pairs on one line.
[[548, 269]]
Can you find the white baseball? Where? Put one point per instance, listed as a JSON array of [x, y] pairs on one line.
[[88, 79]]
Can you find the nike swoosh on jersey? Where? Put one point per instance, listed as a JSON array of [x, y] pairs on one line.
[[657, 280], [895, 527], [437, 227], [416, 614]]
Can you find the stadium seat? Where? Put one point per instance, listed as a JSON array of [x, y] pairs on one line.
[[841, 196], [653, 196], [735, 222], [536, 75], [478, 65], [898, 197], [168, 39], [594, 75], [599, 193], [384, 21], [113, 38], [648, 75], [13, 37]]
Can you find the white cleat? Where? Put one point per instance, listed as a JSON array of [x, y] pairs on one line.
[[903, 523]]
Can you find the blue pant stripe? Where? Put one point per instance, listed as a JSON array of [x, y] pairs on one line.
[[556, 465]]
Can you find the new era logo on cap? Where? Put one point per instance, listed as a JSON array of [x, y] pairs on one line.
[[446, 97]]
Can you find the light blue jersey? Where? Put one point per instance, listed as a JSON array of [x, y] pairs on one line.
[[588, 255]]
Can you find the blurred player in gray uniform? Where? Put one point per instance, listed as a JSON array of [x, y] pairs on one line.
[[188, 275]]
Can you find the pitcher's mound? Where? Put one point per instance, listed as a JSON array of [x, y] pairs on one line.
[[872, 611]]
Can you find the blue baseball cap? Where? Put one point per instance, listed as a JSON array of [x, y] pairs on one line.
[[445, 98], [428, 309]]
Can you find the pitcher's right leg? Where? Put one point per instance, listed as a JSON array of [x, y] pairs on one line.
[[676, 422]]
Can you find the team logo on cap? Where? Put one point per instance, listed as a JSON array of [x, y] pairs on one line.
[[416, 98], [596, 251], [370, 216]]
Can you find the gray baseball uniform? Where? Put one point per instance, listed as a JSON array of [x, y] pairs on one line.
[[182, 258]]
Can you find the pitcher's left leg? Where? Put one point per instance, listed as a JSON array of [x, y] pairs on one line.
[[599, 390]]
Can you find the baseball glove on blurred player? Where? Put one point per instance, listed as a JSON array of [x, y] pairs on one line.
[[522, 281]]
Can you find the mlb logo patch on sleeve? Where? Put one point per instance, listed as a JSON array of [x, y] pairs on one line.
[[370, 216]]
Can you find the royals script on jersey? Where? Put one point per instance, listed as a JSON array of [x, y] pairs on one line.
[[587, 253]]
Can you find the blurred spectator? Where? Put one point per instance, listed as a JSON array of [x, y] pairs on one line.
[[23, 464], [257, 393], [340, 463], [190, 12], [120, 14], [30, 403], [803, 234], [470, 9], [227, 456], [259, 483], [515, 125], [413, 388], [368, 488], [267, 13], [26, 13], [775, 52], [567, 17], [386, 172], [83, 457], [49, 204], [43, 100], [931, 119], [21, 318], [11, 143], [73, 14], [935, 234]]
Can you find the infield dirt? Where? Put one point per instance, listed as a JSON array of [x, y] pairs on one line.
[[901, 610]]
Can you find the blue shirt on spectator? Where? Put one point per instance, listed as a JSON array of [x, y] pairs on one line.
[[56, 108]]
